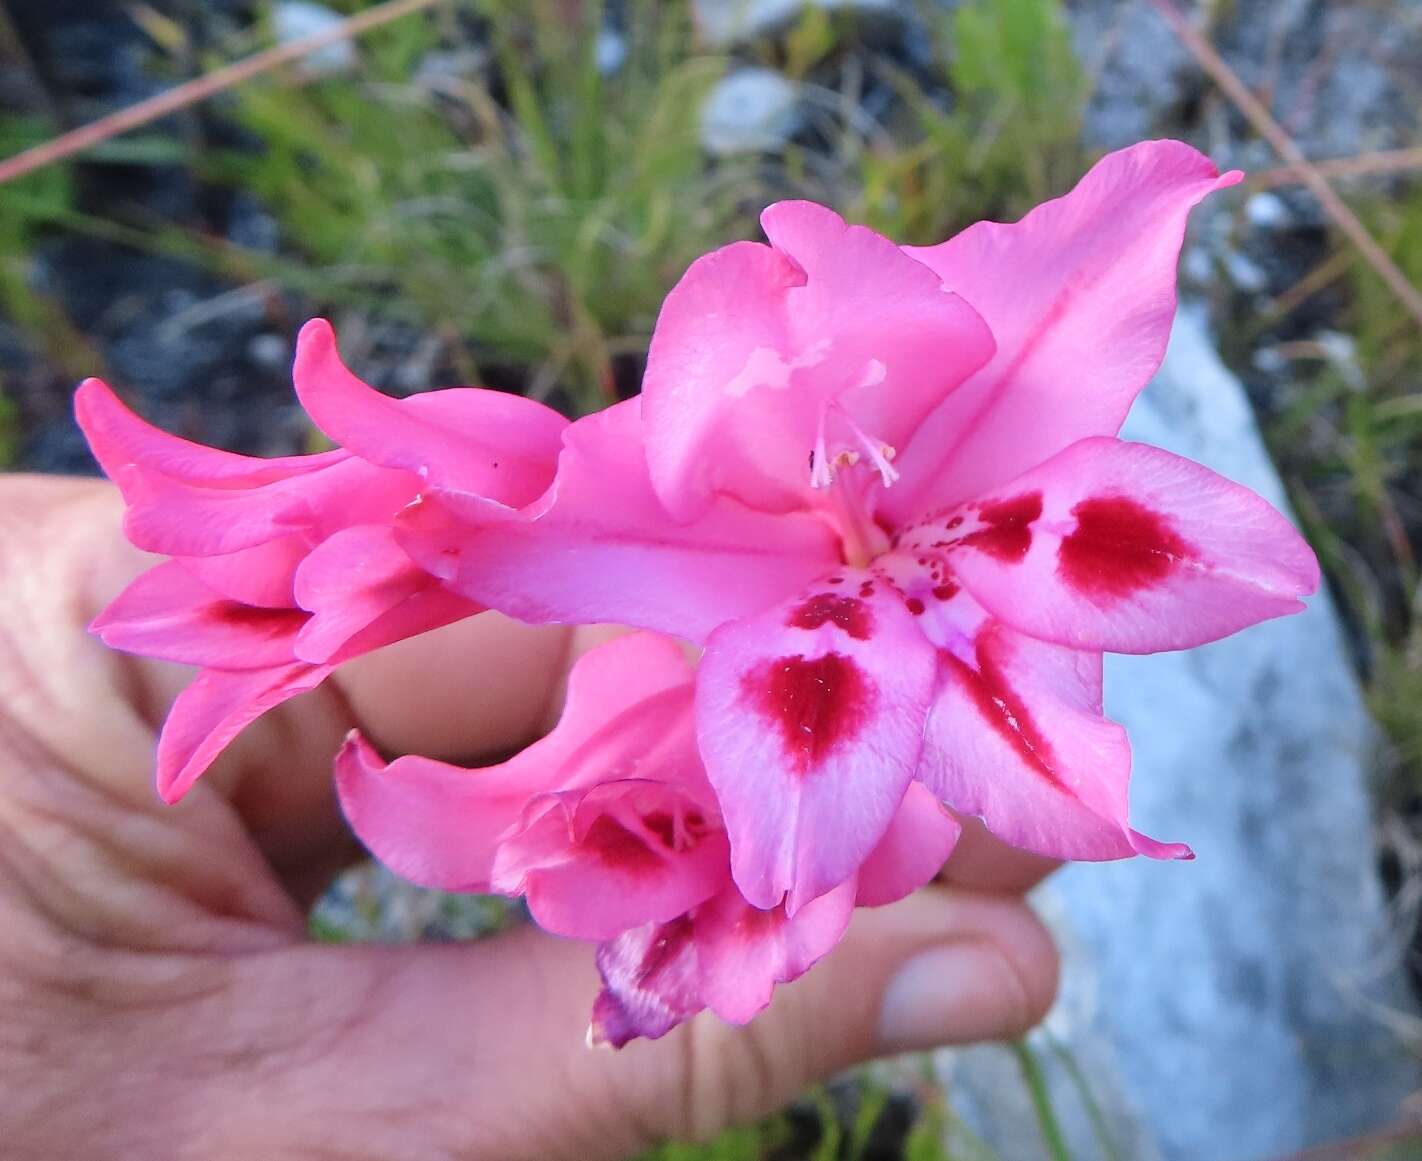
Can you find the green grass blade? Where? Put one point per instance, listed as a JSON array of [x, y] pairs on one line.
[[1094, 1113], [1036, 1082]]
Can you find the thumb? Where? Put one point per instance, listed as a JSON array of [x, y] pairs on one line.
[[478, 1051]]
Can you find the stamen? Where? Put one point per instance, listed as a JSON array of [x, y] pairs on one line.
[[879, 453], [821, 469], [824, 463]]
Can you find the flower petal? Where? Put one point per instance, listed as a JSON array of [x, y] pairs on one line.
[[1016, 737], [1080, 295], [728, 956], [490, 443], [433, 823], [184, 499], [810, 719], [650, 983], [743, 952], [600, 547], [440, 825], [362, 589], [178, 518], [119, 438], [214, 709], [1127, 548], [167, 613], [754, 342], [261, 575], [600, 862], [427, 607], [912, 851]]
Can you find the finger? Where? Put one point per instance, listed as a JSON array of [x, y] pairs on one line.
[[478, 1050], [470, 693], [983, 862]]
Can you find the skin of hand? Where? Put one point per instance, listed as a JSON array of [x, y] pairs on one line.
[[159, 997]]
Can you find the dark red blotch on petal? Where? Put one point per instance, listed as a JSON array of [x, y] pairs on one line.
[[1118, 547], [663, 825], [263, 622], [848, 613], [1007, 527], [617, 847], [1002, 707], [816, 704]]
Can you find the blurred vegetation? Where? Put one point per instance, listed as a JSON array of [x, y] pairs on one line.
[[531, 208], [863, 1117], [1383, 454], [1009, 138], [517, 202], [1349, 441], [858, 1118], [532, 212], [25, 206], [369, 904]]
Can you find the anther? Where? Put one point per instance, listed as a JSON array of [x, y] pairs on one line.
[[824, 465], [879, 453]]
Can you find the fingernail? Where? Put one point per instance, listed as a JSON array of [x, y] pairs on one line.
[[953, 994]]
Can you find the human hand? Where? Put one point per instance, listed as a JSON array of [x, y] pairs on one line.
[[159, 997]]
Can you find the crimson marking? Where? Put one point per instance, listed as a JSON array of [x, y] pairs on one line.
[[846, 613], [1006, 531], [816, 704], [1119, 547], [614, 845], [1002, 707]]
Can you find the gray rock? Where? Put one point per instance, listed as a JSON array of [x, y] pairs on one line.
[[1139, 66], [611, 51], [752, 110], [297, 19], [1341, 78], [1244, 272], [1267, 211], [1226, 1008], [726, 22]]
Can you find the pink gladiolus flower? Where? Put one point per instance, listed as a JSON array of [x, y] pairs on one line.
[[283, 569], [881, 485], [610, 831]]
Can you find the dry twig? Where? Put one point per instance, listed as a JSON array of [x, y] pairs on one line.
[[1361, 165], [200, 88], [1321, 276], [1270, 129]]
